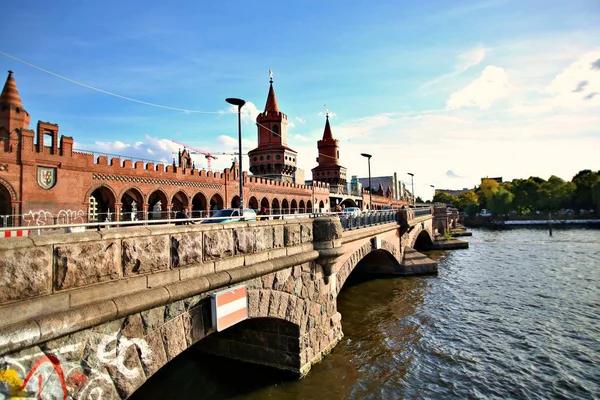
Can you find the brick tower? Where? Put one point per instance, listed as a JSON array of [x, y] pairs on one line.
[[13, 116], [272, 158], [329, 169]]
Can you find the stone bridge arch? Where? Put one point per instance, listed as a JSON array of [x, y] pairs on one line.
[[388, 255], [420, 237]]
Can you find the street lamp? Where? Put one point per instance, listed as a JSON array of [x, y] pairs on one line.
[[239, 103], [433, 187], [412, 183], [370, 189]]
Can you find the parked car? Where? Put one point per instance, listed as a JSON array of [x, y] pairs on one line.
[[230, 215], [351, 211]]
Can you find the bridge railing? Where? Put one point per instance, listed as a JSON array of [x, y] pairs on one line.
[[365, 219]]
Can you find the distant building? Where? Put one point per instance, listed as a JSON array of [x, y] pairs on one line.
[[390, 184]]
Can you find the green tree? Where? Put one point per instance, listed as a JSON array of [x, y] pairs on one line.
[[468, 202], [526, 194], [442, 197], [555, 194], [500, 202], [584, 181]]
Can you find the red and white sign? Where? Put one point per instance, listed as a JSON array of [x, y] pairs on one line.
[[17, 233], [229, 307]]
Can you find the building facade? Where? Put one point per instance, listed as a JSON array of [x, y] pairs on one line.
[[43, 181]]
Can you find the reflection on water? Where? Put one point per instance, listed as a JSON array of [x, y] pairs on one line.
[[515, 316]]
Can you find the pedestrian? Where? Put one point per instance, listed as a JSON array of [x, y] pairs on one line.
[[184, 217]]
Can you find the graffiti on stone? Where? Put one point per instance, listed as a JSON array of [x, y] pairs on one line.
[[45, 217], [55, 375]]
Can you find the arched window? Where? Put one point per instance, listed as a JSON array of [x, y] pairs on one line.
[[275, 130]]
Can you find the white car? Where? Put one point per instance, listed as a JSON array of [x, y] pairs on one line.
[[351, 211]]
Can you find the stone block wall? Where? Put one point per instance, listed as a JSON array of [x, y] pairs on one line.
[[49, 274], [113, 359]]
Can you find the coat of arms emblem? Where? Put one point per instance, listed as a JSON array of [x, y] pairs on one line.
[[46, 177]]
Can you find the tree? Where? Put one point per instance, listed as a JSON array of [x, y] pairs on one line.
[[499, 203], [526, 194], [554, 194], [468, 202], [489, 187], [584, 181], [419, 200], [441, 197]]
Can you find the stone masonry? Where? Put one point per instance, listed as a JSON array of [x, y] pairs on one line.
[[95, 314]]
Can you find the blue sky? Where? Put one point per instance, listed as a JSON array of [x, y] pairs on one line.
[[448, 90]]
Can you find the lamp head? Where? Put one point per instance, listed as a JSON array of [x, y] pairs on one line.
[[366, 155], [411, 174], [235, 101]]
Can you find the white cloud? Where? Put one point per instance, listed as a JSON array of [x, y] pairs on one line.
[[465, 60], [331, 114], [493, 84], [249, 111], [579, 84], [302, 138], [300, 120], [291, 125], [232, 143]]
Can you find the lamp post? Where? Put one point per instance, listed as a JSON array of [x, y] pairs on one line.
[[370, 189], [239, 103], [412, 183], [433, 187]]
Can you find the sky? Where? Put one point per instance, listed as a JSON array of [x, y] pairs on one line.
[[449, 90]]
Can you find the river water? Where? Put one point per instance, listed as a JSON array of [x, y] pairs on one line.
[[517, 315]]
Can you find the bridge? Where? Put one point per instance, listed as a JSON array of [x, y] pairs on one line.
[[98, 313]]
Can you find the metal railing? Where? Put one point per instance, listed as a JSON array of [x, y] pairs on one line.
[[366, 219], [351, 220], [420, 212]]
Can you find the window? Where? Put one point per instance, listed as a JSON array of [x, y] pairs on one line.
[[278, 157], [48, 140], [261, 158], [255, 158], [268, 157], [275, 130]]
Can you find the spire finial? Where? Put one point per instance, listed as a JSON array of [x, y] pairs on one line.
[[270, 76], [10, 72], [326, 111]]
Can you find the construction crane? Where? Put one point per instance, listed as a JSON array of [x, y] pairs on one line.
[[206, 154]]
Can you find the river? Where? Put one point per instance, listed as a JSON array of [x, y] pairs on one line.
[[517, 315]]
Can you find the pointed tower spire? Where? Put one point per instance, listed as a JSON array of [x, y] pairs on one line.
[[271, 99], [12, 114], [10, 94], [327, 135]]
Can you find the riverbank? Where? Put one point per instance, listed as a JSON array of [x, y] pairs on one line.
[[509, 222]]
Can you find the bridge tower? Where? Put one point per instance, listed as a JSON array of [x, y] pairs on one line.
[[273, 158], [12, 114], [329, 169]]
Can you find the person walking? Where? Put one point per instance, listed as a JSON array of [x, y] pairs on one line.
[[183, 218]]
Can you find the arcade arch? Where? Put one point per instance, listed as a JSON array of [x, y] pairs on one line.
[[157, 205]]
